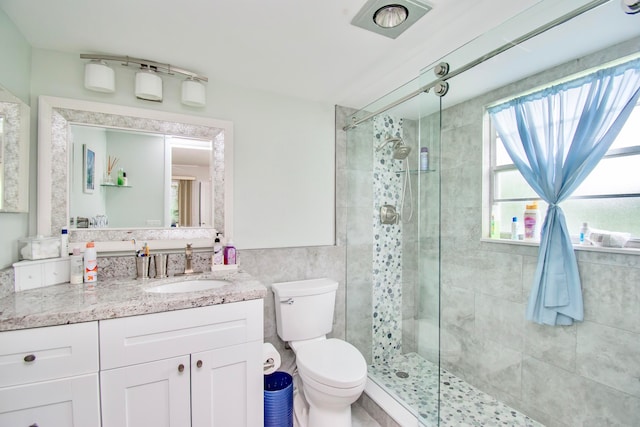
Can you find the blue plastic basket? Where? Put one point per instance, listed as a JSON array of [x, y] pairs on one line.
[[278, 400]]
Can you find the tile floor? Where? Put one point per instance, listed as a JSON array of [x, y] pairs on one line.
[[462, 404]]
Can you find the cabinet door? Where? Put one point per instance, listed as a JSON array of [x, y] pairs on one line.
[[69, 402], [226, 386], [149, 394]]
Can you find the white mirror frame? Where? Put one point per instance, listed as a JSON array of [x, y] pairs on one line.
[[14, 155], [54, 117]]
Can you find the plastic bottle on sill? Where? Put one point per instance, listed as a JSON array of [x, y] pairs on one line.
[[530, 219], [584, 234], [494, 231], [514, 228]]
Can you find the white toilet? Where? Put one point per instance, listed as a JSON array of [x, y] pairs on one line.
[[333, 372]]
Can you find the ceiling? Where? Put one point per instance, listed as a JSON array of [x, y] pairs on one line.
[[308, 49], [300, 48]]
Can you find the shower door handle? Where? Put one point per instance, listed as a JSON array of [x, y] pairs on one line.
[[287, 301]]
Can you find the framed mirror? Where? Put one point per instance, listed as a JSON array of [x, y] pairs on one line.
[[14, 153], [79, 140]]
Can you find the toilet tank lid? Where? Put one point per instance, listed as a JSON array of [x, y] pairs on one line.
[[301, 288]]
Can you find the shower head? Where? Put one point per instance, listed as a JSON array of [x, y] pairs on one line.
[[400, 150]]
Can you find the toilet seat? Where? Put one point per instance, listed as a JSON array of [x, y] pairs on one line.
[[332, 362]]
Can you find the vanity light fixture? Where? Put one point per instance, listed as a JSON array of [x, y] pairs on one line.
[[99, 77], [148, 83], [193, 93], [390, 18]]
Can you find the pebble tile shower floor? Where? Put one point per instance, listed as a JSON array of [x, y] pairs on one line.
[[461, 405]]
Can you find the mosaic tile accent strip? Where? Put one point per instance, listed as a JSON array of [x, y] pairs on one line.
[[387, 244], [461, 405]]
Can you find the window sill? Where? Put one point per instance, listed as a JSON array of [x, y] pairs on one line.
[[624, 251]]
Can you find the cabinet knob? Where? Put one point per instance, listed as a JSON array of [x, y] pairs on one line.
[[30, 358], [180, 367], [199, 363]]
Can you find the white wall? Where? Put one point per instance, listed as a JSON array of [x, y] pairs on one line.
[[15, 72], [284, 149]]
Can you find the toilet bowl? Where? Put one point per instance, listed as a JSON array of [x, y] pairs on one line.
[[332, 372], [333, 375]]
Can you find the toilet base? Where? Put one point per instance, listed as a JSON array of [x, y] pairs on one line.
[[328, 417]]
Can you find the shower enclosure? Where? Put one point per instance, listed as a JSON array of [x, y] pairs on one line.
[[392, 240]]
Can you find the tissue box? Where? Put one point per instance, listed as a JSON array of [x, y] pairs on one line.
[[38, 248]]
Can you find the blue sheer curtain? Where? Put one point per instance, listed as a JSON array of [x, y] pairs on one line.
[[555, 138]]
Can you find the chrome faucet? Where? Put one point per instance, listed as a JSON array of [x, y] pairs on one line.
[[188, 257]]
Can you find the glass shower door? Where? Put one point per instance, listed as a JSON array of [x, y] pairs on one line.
[[392, 244]]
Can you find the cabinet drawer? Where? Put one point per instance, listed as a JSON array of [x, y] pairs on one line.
[[145, 338], [65, 402], [46, 353]]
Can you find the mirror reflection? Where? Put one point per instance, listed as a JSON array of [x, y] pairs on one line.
[[78, 140], [132, 179]]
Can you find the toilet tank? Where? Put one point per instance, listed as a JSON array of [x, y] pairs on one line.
[[304, 308]]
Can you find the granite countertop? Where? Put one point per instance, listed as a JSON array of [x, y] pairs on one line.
[[65, 303]]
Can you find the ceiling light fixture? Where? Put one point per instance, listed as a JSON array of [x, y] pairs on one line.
[[99, 77], [148, 81], [631, 7], [390, 16]]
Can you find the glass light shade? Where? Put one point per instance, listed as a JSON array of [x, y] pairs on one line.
[[148, 86], [99, 77], [193, 93], [390, 16]]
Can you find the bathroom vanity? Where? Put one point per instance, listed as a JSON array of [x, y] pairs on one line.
[[121, 355]]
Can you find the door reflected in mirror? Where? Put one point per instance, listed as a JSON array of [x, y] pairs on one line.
[[144, 179]]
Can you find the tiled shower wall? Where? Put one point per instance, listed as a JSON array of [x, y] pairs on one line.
[[581, 375]]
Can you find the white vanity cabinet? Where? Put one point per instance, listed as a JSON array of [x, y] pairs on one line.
[[49, 376], [193, 367]]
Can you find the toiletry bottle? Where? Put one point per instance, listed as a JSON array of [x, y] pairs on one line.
[[90, 265], [584, 234], [424, 159], [530, 219], [64, 243], [125, 181], [120, 176], [76, 267], [514, 228], [218, 256], [229, 253]]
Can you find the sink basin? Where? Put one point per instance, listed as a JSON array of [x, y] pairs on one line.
[[188, 286]]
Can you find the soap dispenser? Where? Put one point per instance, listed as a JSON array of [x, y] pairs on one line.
[[218, 255]]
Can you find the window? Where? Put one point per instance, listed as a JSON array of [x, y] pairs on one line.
[[608, 199]]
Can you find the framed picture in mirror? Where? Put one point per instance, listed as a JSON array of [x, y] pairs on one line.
[[89, 169]]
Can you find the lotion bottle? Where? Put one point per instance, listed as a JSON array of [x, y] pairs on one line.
[[530, 219], [90, 265], [76, 267], [229, 253]]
